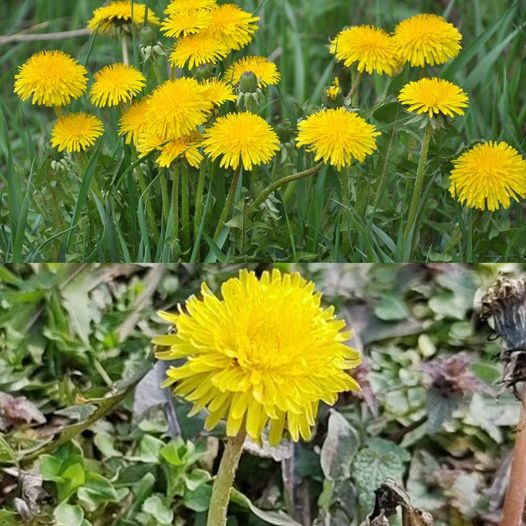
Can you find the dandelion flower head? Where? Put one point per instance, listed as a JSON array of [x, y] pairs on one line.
[[370, 47], [116, 84], [427, 39], [76, 132], [263, 355], [434, 96], [489, 175], [241, 138], [51, 78], [337, 136]]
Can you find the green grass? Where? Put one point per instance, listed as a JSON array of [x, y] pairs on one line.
[[106, 206]]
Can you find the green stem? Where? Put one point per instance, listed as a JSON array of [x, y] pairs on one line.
[[164, 198], [354, 90], [175, 201], [185, 202], [419, 185], [148, 203], [281, 182], [228, 202], [198, 213], [217, 512], [124, 43], [383, 176]]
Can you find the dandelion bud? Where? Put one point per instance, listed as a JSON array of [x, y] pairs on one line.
[[248, 83], [333, 96], [148, 36]]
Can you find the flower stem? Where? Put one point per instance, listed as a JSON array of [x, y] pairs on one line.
[[124, 43], [354, 90], [217, 512], [419, 185], [516, 494], [164, 197], [281, 182], [198, 214], [185, 205], [175, 201], [228, 202]]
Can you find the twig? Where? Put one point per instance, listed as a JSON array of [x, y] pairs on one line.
[[22, 37], [516, 494]]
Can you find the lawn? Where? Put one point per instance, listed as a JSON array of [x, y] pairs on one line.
[[88, 436], [108, 204]]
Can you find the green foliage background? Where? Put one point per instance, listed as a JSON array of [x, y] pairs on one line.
[[52, 215], [97, 446]]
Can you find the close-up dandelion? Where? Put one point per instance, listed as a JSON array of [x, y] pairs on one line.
[[488, 176], [232, 26], [262, 357], [116, 84], [427, 39], [51, 78], [133, 122], [186, 147], [76, 132], [197, 50]]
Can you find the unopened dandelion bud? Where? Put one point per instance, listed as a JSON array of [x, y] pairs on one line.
[[248, 83], [148, 36]]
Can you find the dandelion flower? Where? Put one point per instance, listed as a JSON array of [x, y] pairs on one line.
[[233, 26], [434, 96], [371, 48], [181, 6], [489, 175], [133, 122], [75, 132], [183, 23], [337, 136], [266, 72], [217, 91], [176, 108], [120, 15], [51, 78], [427, 39], [334, 90], [196, 50], [186, 147], [241, 138], [265, 353], [116, 83]]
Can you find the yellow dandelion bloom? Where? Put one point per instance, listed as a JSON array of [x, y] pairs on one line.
[[434, 96], [264, 354], [233, 26], [183, 23], [334, 90], [217, 91], [176, 108], [75, 132], [116, 83], [187, 147], [266, 72], [427, 39], [241, 138], [337, 136], [180, 6], [133, 122], [51, 78], [370, 47], [196, 50], [489, 175], [120, 15]]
